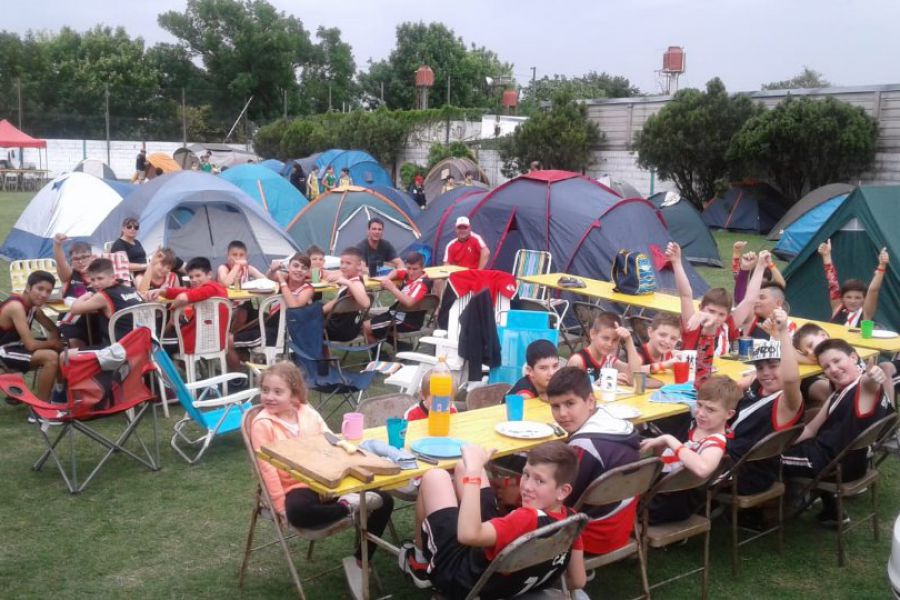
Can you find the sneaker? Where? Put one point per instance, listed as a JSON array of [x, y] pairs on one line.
[[828, 518], [373, 502], [353, 572], [410, 565]]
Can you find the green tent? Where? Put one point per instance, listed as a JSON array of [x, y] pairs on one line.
[[868, 220]]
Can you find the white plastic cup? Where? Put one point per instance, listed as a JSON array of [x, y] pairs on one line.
[[608, 384]]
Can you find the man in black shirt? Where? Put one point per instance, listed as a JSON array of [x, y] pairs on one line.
[[378, 251]]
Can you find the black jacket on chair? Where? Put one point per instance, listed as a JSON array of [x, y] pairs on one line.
[[478, 340]]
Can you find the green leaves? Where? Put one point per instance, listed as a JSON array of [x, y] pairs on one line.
[[804, 143], [687, 142], [560, 138]]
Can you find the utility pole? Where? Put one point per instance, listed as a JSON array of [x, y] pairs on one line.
[[107, 125], [533, 74], [19, 89], [183, 119], [448, 89], [382, 92], [285, 104], [329, 96]]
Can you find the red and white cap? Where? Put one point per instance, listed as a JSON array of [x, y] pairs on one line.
[[462, 222]]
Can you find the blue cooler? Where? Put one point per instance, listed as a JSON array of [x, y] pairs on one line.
[[521, 328]]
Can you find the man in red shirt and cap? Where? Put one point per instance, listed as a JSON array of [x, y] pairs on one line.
[[468, 249]]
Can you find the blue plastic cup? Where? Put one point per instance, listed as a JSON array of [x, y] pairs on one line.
[[396, 429], [515, 407]]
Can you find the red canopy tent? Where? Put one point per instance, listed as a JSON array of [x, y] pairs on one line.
[[11, 137]]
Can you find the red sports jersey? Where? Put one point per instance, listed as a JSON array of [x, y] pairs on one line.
[[465, 254]]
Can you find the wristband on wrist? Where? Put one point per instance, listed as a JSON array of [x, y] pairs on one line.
[[880, 270], [472, 480], [678, 451]]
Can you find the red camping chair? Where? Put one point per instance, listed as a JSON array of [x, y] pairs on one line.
[[94, 393]]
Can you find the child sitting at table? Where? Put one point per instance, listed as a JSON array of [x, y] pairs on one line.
[[711, 330], [344, 327], [159, 274], [236, 271], [414, 285], [109, 297], [859, 399], [658, 353], [203, 287], [541, 362], [851, 302], [603, 351], [420, 409], [601, 442], [286, 414], [701, 453], [75, 283], [20, 351], [463, 534]]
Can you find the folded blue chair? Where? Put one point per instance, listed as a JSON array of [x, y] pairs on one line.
[[305, 328]]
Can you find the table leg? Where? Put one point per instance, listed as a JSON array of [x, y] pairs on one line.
[[364, 543]]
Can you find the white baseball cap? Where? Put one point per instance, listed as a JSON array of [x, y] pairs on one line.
[[462, 222]]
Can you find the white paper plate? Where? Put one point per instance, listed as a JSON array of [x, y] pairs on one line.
[[259, 285], [622, 411], [884, 334], [524, 430]]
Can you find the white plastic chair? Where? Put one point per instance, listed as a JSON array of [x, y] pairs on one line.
[[209, 344], [151, 315], [271, 353], [19, 270]]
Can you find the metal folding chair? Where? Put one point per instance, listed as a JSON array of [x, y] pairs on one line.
[[264, 508]]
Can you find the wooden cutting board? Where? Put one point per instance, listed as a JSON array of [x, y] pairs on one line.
[[327, 464]]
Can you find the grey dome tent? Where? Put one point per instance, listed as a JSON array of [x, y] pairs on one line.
[[95, 167], [456, 168], [751, 207], [808, 202], [687, 228], [581, 222]]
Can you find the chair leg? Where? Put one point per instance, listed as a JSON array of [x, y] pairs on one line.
[[309, 550], [642, 565], [248, 548]]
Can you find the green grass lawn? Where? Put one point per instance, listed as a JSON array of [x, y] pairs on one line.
[[179, 532]]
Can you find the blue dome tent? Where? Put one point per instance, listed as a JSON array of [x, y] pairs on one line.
[[364, 169], [270, 190]]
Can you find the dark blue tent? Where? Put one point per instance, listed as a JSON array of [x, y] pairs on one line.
[[364, 169], [400, 198], [582, 223], [687, 228], [429, 218], [747, 207]]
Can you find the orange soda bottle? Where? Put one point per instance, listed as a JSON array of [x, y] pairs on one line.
[[441, 396]]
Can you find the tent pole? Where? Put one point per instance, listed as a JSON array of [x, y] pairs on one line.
[[652, 180], [107, 126]]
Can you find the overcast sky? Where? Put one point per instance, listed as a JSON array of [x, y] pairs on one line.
[[745, 42]]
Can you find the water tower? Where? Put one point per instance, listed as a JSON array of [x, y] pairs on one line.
[[424, 82], [674, 61], [510, 100]]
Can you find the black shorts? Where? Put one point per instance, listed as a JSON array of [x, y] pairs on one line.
[[249, 337], [382, 325], [15, 357], [454, 568]]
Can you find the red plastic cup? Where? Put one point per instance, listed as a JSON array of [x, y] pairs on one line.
[[682, 371]]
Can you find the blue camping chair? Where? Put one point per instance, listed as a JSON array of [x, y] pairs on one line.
[[204, 406], [305, 328]]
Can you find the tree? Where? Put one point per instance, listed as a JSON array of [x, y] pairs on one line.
[[587, 87], [560, 138], [438, 47], [248, 49], [803, 143], [327, 81], [686, 142], [807, 78]]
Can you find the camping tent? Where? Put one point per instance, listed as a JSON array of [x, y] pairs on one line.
[[306, 163], [687, 228], [197, 214], [751, 207], [456, 168], [273, 163], [11, 137], [340, 218], [867, 221], [429, 218], [808, 202], [161, 160], [406, 202], [95, 167], [580, 221], [364, 169], [621, 187], [798, 233], [82, 206], [223, 155], [269, 189]]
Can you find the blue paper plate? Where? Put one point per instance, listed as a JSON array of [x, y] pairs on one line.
[[438, 447]]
